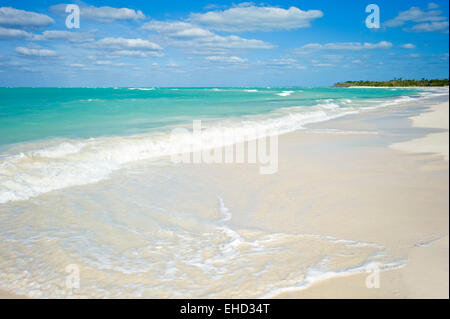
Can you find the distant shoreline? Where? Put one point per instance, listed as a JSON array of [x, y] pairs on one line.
[[395, 83], [392, 87]]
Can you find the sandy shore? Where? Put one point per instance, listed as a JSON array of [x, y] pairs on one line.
[[342, 179], [436, 118], [426, 273]]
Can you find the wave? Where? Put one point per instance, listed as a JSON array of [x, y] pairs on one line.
[[329, 104], [285, 93], [34, 172], [141, 89], [29, 173], [314, 275]]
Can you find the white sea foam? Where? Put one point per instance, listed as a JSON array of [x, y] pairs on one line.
[[206, 256], [141, 89], [397, 101], [285, 93], [58, 151], [329, 104], [224, 210], [314, 275], [39, 171], [30, 173]]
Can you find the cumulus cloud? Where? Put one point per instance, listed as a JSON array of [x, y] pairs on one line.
[[345, 46], [189, 35], [103, 14], [13, 34], [427, 20], [324, 65], [103, 62], [232, 42], [137, 53], [430, 27], [125, 44], [226, 59], [282, 63], [408, 46], [77, 65], [17, 34], [31, 52], [177, 29], [19, 18], [443, 57], [64, 35], [248, 17]]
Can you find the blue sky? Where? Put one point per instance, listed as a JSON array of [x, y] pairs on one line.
[[220, 43]]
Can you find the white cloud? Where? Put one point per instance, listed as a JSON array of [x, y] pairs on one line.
[[191, 36], [344, 46], [177, 29], [110, 63], [125, 44], [13, 34], [35, 52], [19, 18], [430, 27], [226, 59], [443, 56], [324, 65], [64, 35], [284, 63], [248, 17], [100, 62], [426, 20], [77, 65], [408, 46], [137, 53], [233, 42], [414, 14], [103, 14]]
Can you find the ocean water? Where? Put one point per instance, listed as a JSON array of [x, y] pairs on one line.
[[85, 181], [56, 138]]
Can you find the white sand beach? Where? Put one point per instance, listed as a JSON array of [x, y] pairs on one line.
[[435, 118], [347, 190]]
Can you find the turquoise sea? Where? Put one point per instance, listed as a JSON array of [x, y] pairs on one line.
[[30, 114], [85, 184], [81, 135]]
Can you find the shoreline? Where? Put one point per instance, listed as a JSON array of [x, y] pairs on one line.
[[395, 87], [412, 280], [436, 117]]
